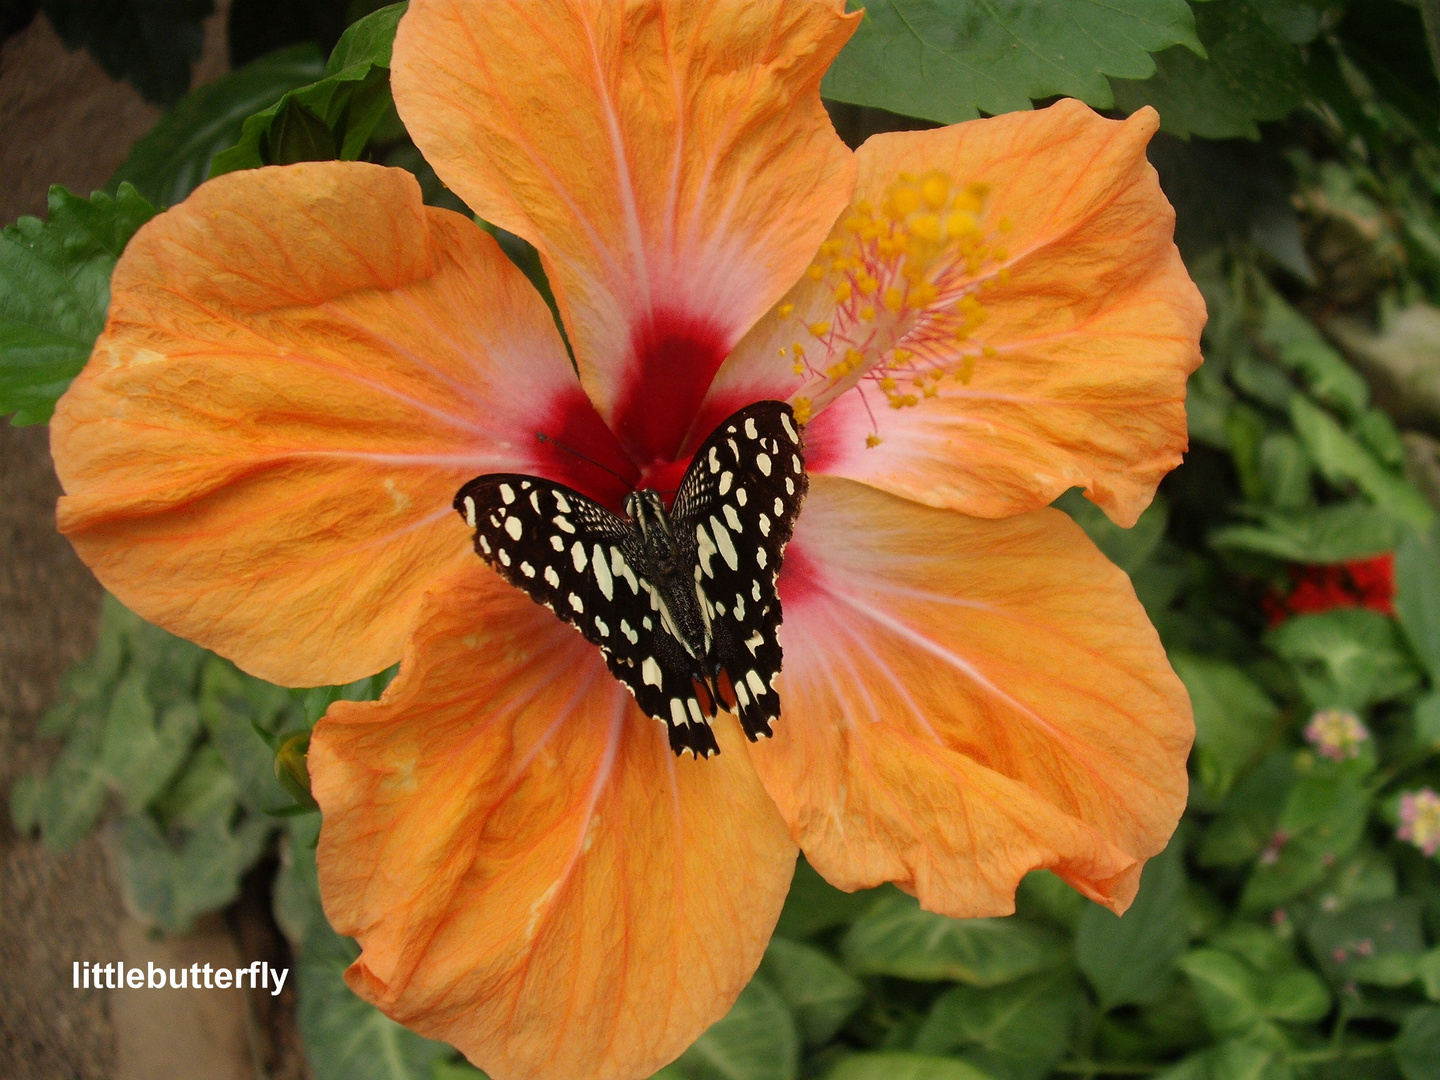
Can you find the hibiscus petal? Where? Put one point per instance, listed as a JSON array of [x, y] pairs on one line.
[[672, 163], [1054, 350], [966, 700], [300, 368], [533, 876]]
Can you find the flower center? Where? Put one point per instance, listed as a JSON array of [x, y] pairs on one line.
[[906, 279]]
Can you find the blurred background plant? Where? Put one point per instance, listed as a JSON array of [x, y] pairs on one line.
[[1291, 565]]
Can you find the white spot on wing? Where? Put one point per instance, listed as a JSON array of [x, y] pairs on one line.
[[600, 625], [629, 632], [577, 556], [677, 713], [620, 567], [561, 503], [552, 577], [762, 462], [754, 641], [576, 602], [740, 496], [504, 557], [602, 573], [535, 500], [741, 696], [732, 518], [485, 545], [789, 486], [507, 493], [764, 524], [755, 590], [557, 543], [470, 510], [756, 684], [723, 545], [563, 523], [760, 558], [789, 429], [650, 672], [726, 479], [514, 528], [750, 428], [527, 569], [714, 460], [706, 549], [695, 714]]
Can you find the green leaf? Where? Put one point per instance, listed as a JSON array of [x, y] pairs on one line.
[[1234, 719], [1130, 959], [368, 40], [141, 748], [895, 1065], [1018, 1031], [167, 883], [1323, 821], [1045, 897], [173, 159], [950, 60], [1296, 996], [346, 1038], [1297, 345], [1342, 459], [232, 705], [1129, 549], [1346, 658], [1417, 595], [1353, 939], [1227, 990], [54, 290], [204, 791], [148, 44], [755, 1040], [460, 1070], [333, 117], [896, 937], [1233, 1059], [819, 992], [1418, 1048], [1315, 535], [1252, 74], [813, 904]]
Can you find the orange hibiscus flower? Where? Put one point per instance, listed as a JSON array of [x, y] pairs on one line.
[[302, 365]]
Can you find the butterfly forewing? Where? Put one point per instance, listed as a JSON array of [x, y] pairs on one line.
[[737, 505], [731, 519]]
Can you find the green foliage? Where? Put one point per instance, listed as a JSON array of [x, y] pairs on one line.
[[334, 117], [54, 290], [175, 156], [948, 60], [756, 1040], [1130, 961]]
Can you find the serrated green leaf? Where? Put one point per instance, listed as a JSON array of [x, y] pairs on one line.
[[1346, 658], [174, 158], [950, 60], [348, 1039], [896, 937], [1252, 74], [819, 992], [54, 291], [897, 1065], [1317, 535], [1234, 719], [1130, 959], [1017, 1031], [755, 1040], [1417, 1050]]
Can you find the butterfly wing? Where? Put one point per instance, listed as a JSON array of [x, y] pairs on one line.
[[737, 505], [588, 566]]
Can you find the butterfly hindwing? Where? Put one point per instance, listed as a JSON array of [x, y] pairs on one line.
[[588, 566], [737, 505]]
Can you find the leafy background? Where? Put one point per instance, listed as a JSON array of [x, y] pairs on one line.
[[1286, 931]]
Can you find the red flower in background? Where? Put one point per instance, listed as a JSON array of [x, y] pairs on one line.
[[1367, 583]]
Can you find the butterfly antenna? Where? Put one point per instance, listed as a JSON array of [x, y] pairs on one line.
[[571, 450]]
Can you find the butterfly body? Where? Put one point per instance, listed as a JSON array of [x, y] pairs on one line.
[[681, 602]]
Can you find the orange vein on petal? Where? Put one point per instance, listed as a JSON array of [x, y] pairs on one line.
[[532, 875], [300, 367], [1041, 343], [967, 700], [673, 164]]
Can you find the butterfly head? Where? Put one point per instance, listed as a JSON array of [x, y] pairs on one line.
[[647, 510]]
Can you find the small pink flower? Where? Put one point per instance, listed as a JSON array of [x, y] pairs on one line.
[[1336, 734], [1420, 819], [1271, 854]]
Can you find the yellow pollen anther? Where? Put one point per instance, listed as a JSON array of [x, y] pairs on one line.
[[901, 355], [819, 329], [894, 299], [816, 272], [903, 200], [842, 292], [798, 368], [867, 312], [872, 440], [804, 409], [866, 284], [785, 310], [926, 227], [936, 190]]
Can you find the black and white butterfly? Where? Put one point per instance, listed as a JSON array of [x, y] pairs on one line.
[[681, 604]]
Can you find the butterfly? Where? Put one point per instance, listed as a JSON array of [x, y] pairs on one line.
[[681, 603]]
